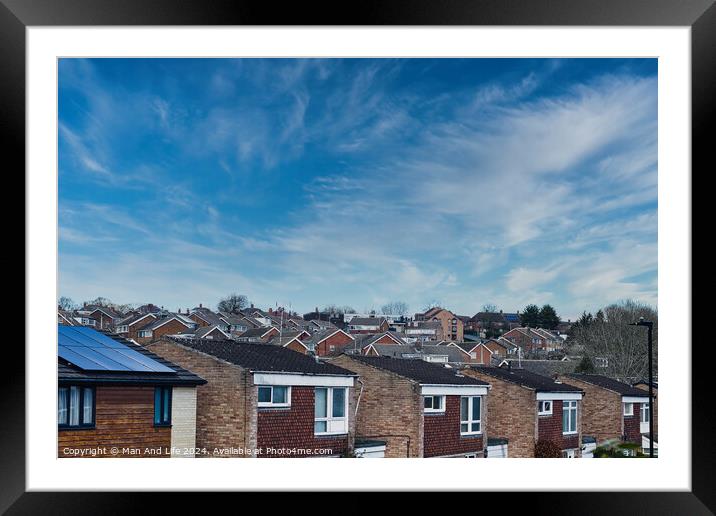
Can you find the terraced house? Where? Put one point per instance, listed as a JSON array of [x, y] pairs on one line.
[[418, 409], [262, 400], [527, 408], [612, 409], [113, 393]]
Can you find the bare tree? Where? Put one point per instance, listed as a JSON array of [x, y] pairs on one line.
[[432, 304], [66, 303], [614, 347], [490, 308], [233, 303], [336, 309], [395, 308]]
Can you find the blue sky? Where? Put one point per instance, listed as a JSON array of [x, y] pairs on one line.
[[359, 182]]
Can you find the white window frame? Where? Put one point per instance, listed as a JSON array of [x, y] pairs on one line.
[[644, 424], [540, 408], [630, 407], [433, 410], [569, 405], [570, 453], [469, 421], [329, 419], [143, 333], [271, 403]]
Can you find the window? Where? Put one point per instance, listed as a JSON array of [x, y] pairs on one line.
[[331, 407], [434, 403], [569, 454], [122, 329], [569, 417], [75, 406], [628, 409], [145, 333], [162, 406], [274, 396], [544, 408], [644, 416], [470, 411]]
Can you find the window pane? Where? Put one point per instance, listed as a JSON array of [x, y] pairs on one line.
[[264, 394], [157, 405], [339, 402], [74, 406], [475, 427], [62, 406], [280, 394], [573, 420], [166, 405], [565, 420], [428, 402], [87, 406], [475, 409], [319, 427], [463, 409], [438, 402], [321, 402], [463, 427]]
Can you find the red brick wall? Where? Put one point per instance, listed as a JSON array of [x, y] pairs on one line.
[[198, 320], [338, 340], [441, 434], [549, 428], [632, 425], [292, 427], [386, 339], [297, 346], [171, 328], [601, 415]]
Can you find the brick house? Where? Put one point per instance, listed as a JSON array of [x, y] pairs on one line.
[[534, 339], [418, 409], [113, 393], [525, 407], [329, 341], [104, 316], [291, 340], [130, 326], [362, 342], [203, 316], [611, 409], [262, 400], [359, 325], [477, 352], [424, 331], [452, 325], [155, 330]]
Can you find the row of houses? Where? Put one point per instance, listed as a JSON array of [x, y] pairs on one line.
[[222, 397]]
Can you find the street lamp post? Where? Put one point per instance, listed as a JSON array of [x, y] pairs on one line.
[[650, 326]]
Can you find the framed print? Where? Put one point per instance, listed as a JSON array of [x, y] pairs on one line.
[[415, 234]]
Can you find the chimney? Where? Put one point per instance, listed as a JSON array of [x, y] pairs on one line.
[[252, 305], [200, 306], [509, 366], [270, 310]]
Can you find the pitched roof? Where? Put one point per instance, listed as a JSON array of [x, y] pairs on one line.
[[534, 381], [488, 317], [366, 321], [262, 357], [132, 319], [161, 322], [610, 384], [208, 316], [454, 353], [256, 332], [205, 330], [67, 372], [322, 335], [418, 370], [107, 310]]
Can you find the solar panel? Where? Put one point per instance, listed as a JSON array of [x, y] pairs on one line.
[[94, 351]]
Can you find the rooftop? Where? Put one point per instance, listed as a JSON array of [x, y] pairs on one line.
[[537, 382], [419, 370], [262, 357], [609, 383]]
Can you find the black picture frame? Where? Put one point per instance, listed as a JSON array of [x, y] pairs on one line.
[[700, 15]]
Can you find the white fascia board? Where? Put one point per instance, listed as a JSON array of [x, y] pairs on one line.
[[635, 399], [449, 390], [565, 396], [312, 380]]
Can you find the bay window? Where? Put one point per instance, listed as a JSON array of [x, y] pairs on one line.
[[75, 406], [331, 407], [470, 412], [569, 417]]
